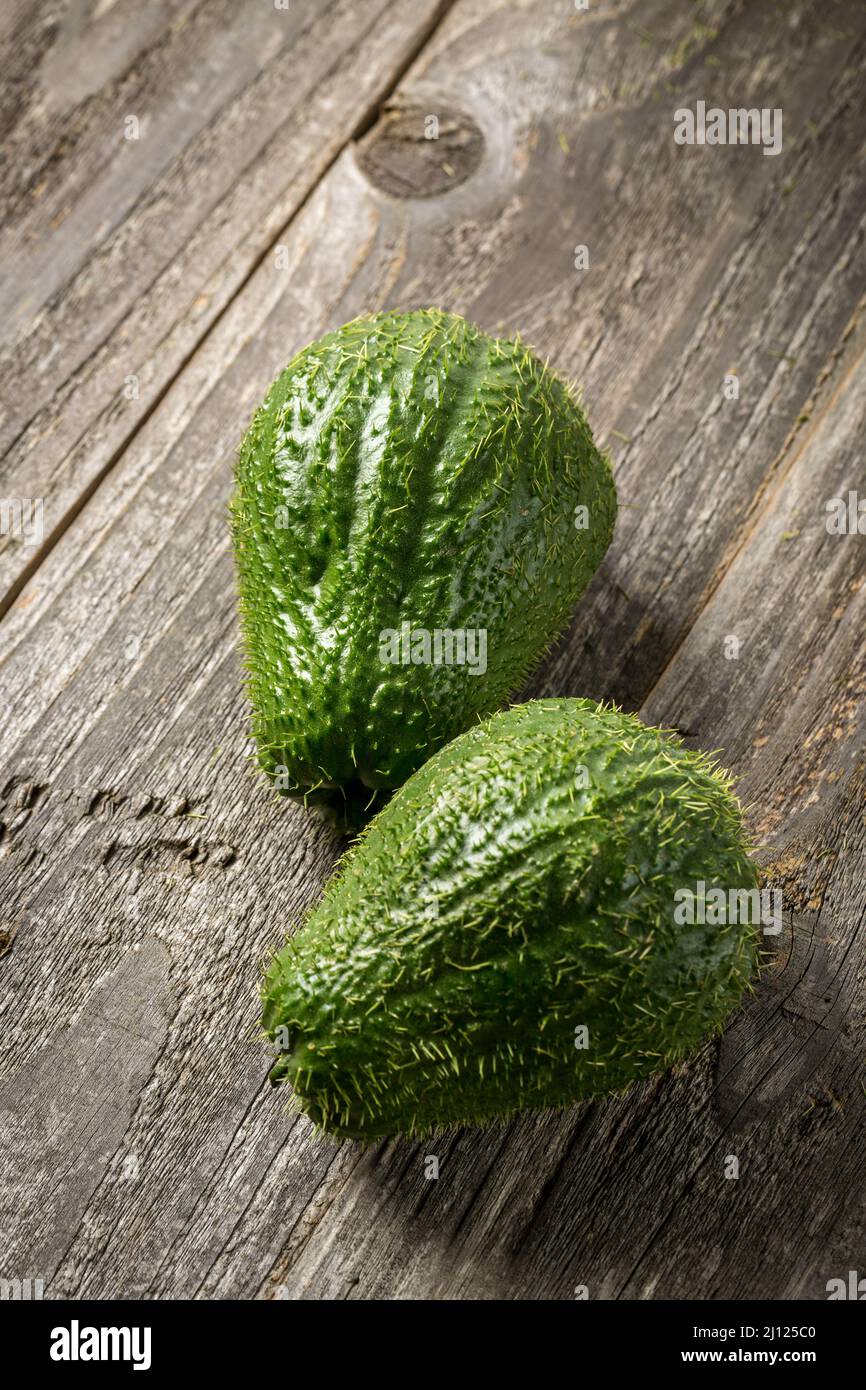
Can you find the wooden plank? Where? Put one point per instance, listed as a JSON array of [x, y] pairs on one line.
[[130, 819], [156, 154]]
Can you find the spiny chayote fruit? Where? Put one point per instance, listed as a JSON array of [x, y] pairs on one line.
[[513, 930], [417, 508]]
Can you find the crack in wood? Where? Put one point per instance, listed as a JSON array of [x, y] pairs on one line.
[[425, 33]]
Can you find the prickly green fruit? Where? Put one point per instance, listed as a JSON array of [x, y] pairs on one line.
[[509, 933], [417, 509]]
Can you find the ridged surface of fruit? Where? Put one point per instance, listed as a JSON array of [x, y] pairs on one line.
[[518, 889], [406, 474]]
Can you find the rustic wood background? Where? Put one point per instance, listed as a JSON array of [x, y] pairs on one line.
[[152, 288]]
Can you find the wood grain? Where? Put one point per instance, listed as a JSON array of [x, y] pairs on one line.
[[121, 253], [146, 872]]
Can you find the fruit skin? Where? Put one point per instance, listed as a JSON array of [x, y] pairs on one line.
[[406, 469], [497, 904]]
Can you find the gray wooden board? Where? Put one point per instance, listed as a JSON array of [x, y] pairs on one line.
[[146, 872], [122, 243]]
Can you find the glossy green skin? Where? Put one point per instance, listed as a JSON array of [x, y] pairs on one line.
[[406, 469], [497, 904]]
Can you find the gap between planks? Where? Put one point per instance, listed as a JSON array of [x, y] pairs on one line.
[[773, 482], [366, 120]]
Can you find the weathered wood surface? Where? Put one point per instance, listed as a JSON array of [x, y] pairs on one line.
[[145, 872], [155, 154]]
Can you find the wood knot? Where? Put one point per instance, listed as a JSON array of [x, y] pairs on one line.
[[419, 149]]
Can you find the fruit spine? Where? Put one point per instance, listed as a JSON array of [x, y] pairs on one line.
[[504, 935], [417, 509]]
